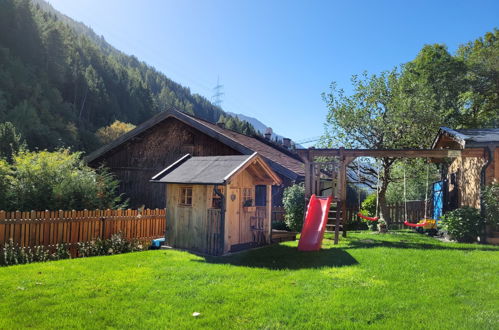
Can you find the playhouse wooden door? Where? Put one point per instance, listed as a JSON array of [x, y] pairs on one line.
[[233, 214]]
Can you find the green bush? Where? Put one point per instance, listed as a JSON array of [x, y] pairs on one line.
[[294, 205], [491, 201], [117, 244], [278, 225], [356, 224], [463, 224], [56, 180], [368, 208], [13, 254], [5, 179]]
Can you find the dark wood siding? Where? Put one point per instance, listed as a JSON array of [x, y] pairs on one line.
[[138, 160]]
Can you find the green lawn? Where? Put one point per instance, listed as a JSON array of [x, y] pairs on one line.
[[399, 280]]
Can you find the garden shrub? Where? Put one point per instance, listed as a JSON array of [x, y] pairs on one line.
[[294, 205], [57, 180], [117, 244], [278, 225], [368, 208], [491, 201], [463, 224], [5, 192], [13, 254], [356, 224]]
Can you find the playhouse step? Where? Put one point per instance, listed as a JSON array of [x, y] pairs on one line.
[[282, 236]]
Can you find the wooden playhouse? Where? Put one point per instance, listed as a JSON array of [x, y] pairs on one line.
[[218, 204]]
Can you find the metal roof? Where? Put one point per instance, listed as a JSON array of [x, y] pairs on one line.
[[202, 170], [480, 135]]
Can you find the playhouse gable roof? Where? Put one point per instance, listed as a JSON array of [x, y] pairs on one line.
[[211, 169]]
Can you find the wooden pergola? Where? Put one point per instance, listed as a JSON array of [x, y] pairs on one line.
[[346, 156]]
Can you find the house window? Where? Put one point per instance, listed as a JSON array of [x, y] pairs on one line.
[[186, 196], [216, 201], [247, 197]]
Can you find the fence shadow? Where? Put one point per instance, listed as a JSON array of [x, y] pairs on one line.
[[283, 257]]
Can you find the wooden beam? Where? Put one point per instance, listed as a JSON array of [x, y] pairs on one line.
[[311, 153]]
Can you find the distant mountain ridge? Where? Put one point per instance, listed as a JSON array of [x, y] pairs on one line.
[[257, 124], [60, 82]]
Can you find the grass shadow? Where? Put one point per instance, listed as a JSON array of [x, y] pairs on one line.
[[284, 257], [402, 244]]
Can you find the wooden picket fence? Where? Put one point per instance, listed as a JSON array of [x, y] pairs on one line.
[[278, 213], [48, 228], [415, 211]]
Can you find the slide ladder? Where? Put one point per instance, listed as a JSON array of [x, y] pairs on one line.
[[315, 223], [334, 211]]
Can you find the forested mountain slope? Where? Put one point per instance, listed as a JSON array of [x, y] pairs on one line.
[[60, 82]]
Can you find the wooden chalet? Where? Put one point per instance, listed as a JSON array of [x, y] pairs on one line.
[[218, 204], [157, 143], [464, 178]]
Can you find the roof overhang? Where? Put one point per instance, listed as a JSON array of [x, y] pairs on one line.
[[255, 159], [454, 135]]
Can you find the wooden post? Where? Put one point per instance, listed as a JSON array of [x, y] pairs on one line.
[[307, 179], [342, 194], [269, 211]]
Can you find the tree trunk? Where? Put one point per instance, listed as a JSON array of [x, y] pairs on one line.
[[383, 207], [385, 180]]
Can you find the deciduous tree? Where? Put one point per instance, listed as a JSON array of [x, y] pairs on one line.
[[113, 131]]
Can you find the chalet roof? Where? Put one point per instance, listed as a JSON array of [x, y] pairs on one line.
[[469, 138], [279, 159], [209, 170]]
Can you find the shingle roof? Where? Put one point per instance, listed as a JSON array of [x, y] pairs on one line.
[[280, 160], [475, 137], [201, 170]]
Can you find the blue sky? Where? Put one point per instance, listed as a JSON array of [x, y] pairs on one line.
[[275, 58]]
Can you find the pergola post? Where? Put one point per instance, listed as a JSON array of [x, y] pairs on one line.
[[341, 209]]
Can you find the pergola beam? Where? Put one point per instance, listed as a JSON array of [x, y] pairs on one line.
[[311, 153]]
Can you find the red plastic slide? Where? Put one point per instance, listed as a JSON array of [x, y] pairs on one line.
[[315, 224]]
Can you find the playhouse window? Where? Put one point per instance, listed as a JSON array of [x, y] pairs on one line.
[[260, 195], [186, 196], [247, 197], [216, 201]]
